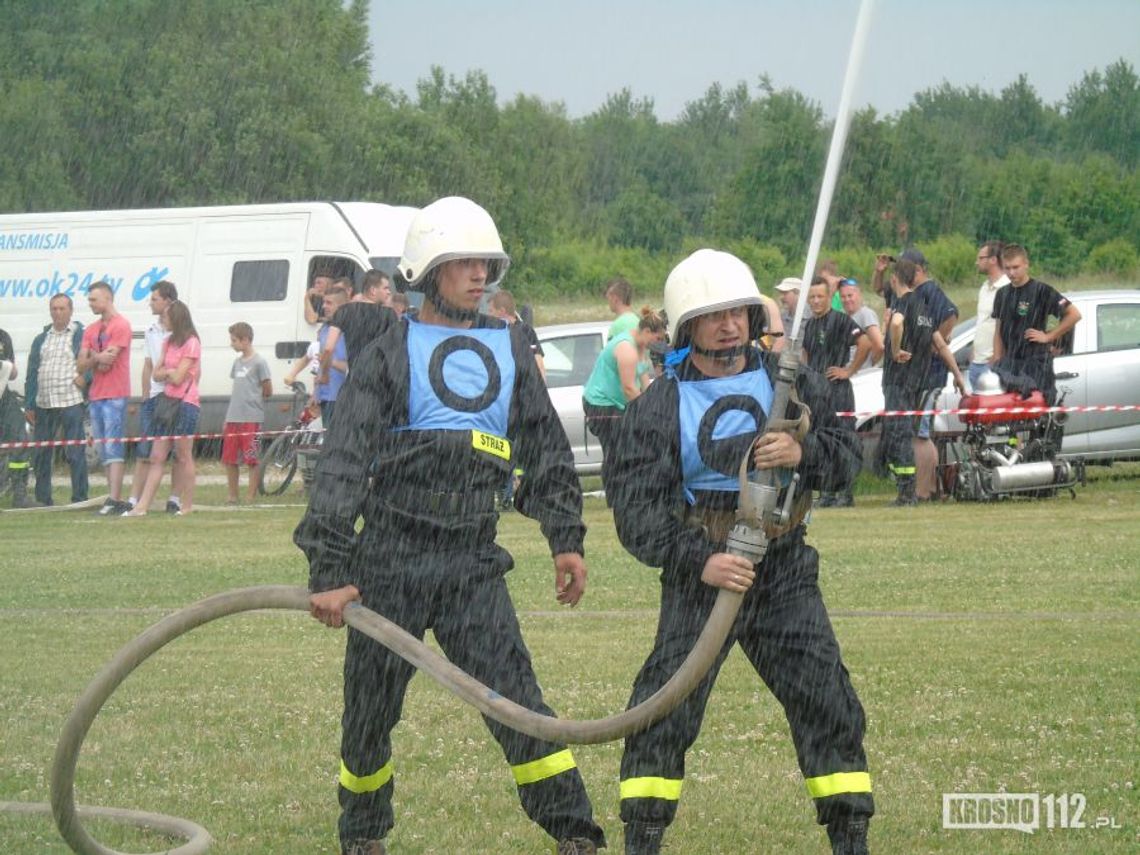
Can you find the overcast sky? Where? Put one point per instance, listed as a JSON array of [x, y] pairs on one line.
[[579, 51]]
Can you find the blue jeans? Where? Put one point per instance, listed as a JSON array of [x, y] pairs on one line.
[[146, 425], [187, 422], [51, 422], [977, 369], [107, 418]]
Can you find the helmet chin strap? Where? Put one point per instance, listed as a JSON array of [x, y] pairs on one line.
[[724, 354], [431, 292]]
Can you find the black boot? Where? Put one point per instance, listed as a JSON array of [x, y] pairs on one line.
[[363, 847], [906, 497], [20, 490], [576, 846], [643, 838], [848, 835]]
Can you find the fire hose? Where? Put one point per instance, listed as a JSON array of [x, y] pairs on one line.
[[68, 815]]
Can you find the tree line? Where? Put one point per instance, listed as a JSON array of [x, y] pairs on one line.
[[126, 103]]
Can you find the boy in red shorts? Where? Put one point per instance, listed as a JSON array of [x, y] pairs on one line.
[[246, 412]]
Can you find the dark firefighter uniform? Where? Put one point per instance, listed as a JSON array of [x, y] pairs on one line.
[[674, 477], [827, 342], [903, 384], [12, 423], [442, 412]]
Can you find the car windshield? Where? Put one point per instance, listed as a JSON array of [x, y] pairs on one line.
[[962, 341], [964, 327], [569, 359]]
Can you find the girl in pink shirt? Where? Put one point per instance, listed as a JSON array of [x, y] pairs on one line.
[[180, 369]]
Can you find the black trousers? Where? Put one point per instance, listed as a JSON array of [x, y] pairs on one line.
[[842, 400], [898, 431], [463, 598], [12, 430], [605, 424], [51, 421], [784, 631]]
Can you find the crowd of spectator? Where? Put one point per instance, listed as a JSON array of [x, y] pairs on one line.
[[909, 341], [77, 371]]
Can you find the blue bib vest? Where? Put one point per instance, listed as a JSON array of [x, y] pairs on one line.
[[712, 411], [459, 379]]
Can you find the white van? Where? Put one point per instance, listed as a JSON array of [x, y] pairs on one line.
[[249, 263]]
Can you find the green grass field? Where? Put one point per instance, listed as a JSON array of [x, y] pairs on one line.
[[994, 648]]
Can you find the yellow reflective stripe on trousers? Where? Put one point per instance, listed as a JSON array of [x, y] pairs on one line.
[[903, 470], [840, 782], [651, 788], [367, 783], [543, 767]]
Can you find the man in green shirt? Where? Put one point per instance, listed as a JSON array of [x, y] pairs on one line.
[[619, 296]]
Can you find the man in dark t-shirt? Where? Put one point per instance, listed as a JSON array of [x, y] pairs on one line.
[[911, 338], [1023, 348], [944, 314], [359, 323], [828, 337]]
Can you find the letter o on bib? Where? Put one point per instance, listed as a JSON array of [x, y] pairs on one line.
[[449, 397], [724, 455]]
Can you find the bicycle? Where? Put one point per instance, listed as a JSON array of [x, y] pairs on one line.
[[280, 460]]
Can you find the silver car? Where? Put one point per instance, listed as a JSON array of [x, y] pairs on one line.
[[570, 351], [1102, 368]]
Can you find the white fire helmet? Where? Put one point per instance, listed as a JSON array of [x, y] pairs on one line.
[[709, 281], [988, 385], [448, 229]]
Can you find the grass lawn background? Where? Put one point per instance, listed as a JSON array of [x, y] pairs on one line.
[[993, 646]]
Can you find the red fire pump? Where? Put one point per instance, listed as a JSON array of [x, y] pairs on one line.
[[1006, 451]]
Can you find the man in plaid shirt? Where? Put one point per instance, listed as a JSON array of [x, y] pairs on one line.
[[54, 398]]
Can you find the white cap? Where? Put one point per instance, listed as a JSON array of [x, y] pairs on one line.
[[790, 284]]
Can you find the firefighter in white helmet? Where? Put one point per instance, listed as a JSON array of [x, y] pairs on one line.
[[674, 482], [438, 410]]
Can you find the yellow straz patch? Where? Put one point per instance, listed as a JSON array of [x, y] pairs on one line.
[[491, 444]]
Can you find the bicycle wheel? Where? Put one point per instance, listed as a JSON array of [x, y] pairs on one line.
[[278, 465]]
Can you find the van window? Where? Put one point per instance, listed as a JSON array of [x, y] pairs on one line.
[[259, 281], [335, 267]]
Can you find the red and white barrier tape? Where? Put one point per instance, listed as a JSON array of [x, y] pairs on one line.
[[981, 411], [1027, 411], [63, 443]]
